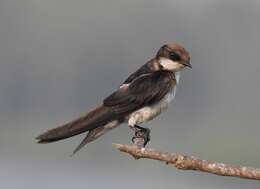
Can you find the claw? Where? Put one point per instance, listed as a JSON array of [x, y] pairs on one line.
[[141, 136]]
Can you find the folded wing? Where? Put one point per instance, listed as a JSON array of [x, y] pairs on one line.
[[144, 90]]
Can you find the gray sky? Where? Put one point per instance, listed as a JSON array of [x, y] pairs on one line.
[[59, 58]]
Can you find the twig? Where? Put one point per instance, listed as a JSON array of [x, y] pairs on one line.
[[191, 163]]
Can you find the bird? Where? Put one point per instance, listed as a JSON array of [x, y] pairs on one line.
[[144, 95]]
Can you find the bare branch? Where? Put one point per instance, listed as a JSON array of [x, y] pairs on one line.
[[191, 163]]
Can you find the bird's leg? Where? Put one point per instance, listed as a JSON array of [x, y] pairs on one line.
[[141, 136]]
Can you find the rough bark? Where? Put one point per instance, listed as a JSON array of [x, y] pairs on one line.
[[191, 163]]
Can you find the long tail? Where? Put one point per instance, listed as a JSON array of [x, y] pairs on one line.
[[93, 119], [96, 133]]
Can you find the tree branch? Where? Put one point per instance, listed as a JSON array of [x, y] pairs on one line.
[[191, 163]]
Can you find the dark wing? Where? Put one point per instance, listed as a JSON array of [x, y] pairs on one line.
[[145, 90], [145, 69]]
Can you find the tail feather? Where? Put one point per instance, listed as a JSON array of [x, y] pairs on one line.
[[92, 135], [93, 119]]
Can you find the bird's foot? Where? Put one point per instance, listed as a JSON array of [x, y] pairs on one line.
[[141, 136]]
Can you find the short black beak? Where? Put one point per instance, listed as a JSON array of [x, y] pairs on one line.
[[187, 63]]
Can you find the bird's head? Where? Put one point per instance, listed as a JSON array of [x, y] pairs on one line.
[[173, 57]]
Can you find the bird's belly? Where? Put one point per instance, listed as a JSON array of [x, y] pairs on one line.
[[148, 113]]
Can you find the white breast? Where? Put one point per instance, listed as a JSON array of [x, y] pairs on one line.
[[147, 113], [167, 99]]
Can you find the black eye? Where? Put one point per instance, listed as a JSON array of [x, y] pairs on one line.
[[174, 56]]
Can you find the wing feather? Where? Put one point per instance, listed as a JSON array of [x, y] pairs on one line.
[[144, 90]]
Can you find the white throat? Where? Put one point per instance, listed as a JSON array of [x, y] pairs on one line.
[[170, 65]]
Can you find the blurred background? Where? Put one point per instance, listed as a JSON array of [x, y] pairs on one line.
[[59, 58]]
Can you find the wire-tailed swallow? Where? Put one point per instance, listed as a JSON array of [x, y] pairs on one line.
[[142, 96]]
